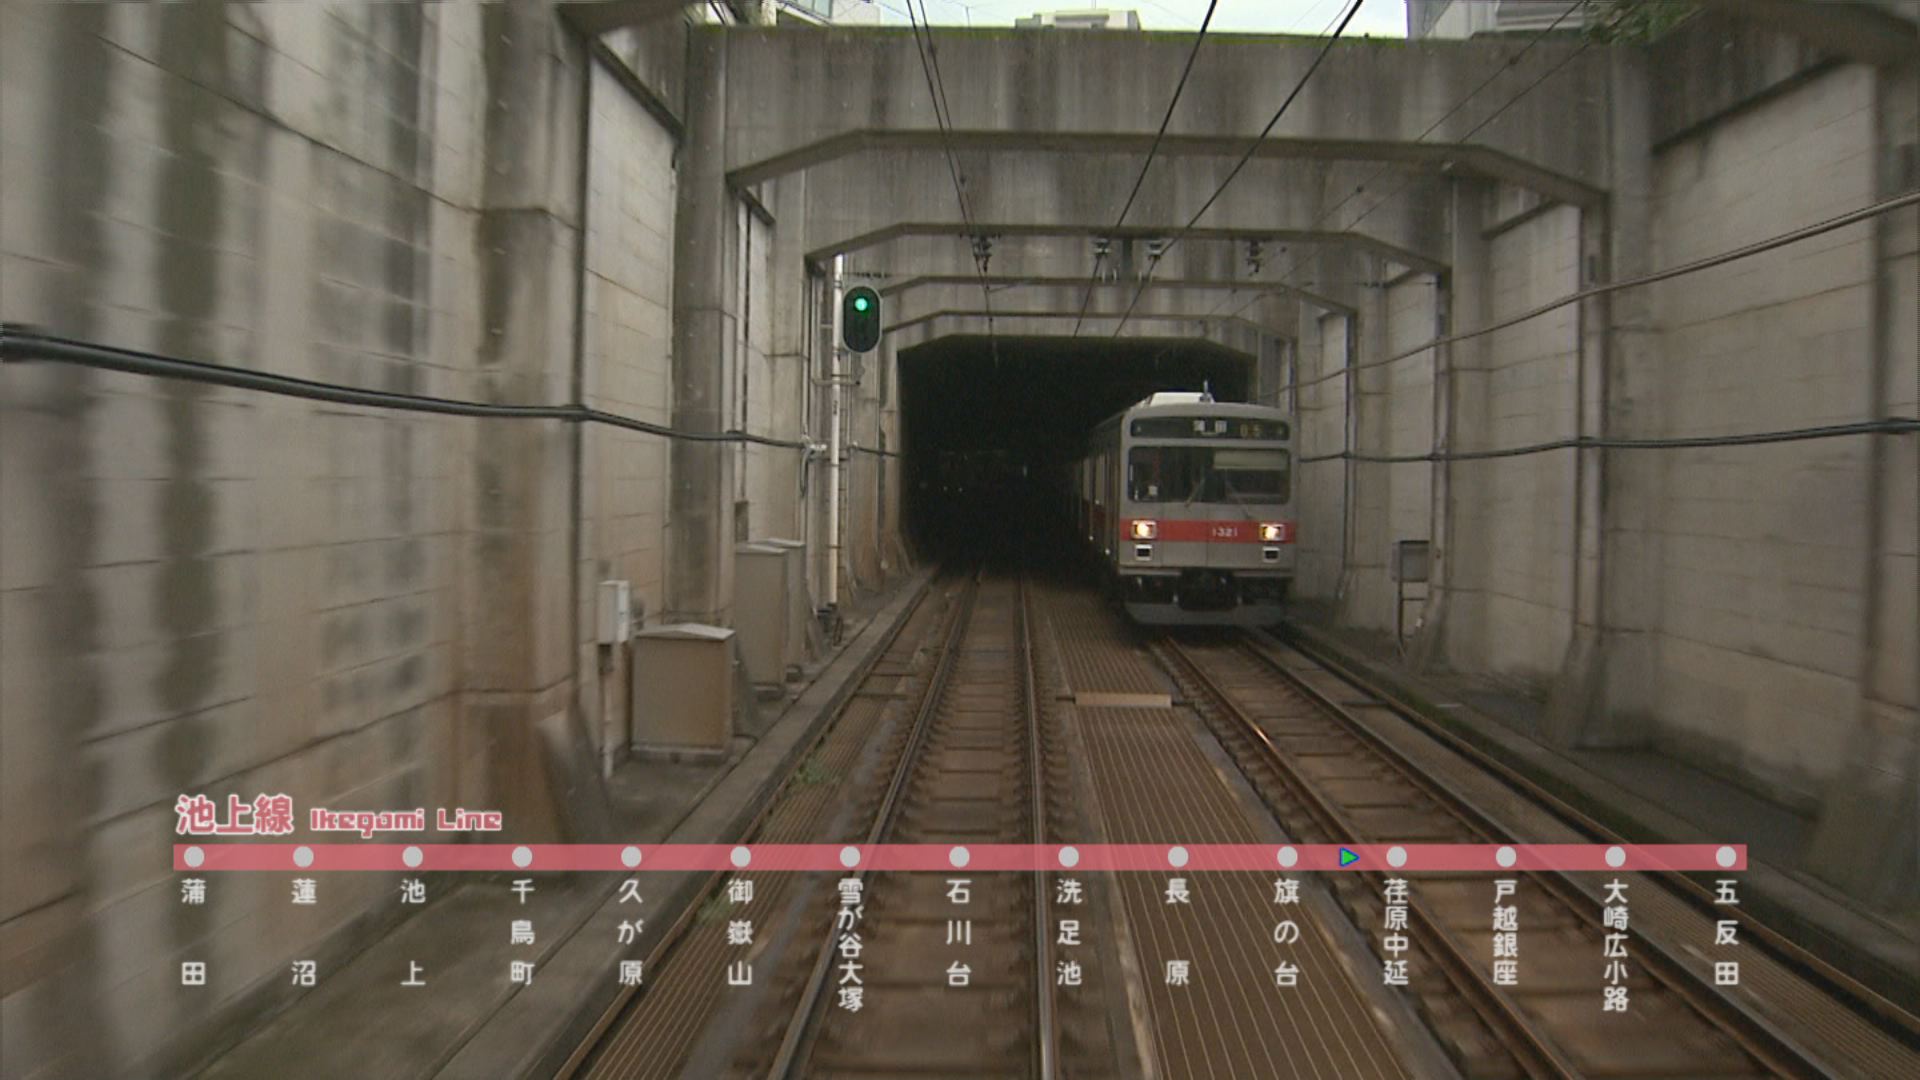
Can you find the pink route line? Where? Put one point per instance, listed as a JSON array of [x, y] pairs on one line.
[[1490, 858]]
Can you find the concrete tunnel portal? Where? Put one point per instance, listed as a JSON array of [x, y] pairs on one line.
[[444, 406], [989, 427]]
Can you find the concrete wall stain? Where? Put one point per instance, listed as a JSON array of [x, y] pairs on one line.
[[193, 211], [187, 273], [81, 161]]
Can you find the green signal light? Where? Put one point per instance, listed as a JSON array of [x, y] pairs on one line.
[[860, 319]]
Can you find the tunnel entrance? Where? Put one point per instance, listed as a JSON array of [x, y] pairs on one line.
[[987, 442]]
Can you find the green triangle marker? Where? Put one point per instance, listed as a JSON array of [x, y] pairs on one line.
[[1348, 858]]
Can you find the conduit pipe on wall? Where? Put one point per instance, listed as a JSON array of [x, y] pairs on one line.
[[833, 439]]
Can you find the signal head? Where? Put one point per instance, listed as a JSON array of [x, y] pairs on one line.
[[860, 319]]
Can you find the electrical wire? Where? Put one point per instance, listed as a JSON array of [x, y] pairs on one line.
[[1286, 277], [1193, 54], [1253, 147], [1509, 64], [1894, 426], [1758, 247], [942, 115], [1890, 426], [21, 345]]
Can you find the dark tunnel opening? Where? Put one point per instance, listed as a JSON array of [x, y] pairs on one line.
[[988, 442]]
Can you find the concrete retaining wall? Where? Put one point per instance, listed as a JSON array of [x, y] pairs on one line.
[[1511, 552], [1759, 648], [1757, 604], [207, 590], [628, 325]]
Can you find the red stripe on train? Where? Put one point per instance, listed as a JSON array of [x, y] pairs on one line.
[[1215, 532]]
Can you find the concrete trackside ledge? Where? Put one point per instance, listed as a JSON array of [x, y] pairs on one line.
[[469, 1021], [533, 1031], [1876, 952]]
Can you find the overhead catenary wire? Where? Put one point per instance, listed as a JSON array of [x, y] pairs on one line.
[[1193, 54], [1286, 276], [942, 109], [1771, 243], [943, 118], [1511, 62], [1253, 147]]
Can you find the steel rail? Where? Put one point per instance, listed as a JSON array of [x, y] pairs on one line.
[[1770, 1047], [1889, 1015], [676, 932], [1538, 1054], [1046, 1050], [788, 1058], [1146, 1039]]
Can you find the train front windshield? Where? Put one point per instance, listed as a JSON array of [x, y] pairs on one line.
[[1207, 474]]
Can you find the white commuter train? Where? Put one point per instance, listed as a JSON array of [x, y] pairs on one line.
[[1188, 502]]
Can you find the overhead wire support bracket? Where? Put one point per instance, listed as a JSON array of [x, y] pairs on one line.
[[1103, 244], [943, 117], [1253, 147]]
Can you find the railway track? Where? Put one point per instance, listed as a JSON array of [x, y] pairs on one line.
[[938, 743], [654, 1030], [1149, 779], [1332, 779], [954, 966], [998, 717]]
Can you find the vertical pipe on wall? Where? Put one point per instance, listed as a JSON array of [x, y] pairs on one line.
[[578, 393], [1347, 423], [1587, 467], [742, 342], [833, 438], [1348, 442], [1439, 487]]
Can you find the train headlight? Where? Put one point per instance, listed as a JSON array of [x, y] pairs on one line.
[[1273, 532], [1145, 530]]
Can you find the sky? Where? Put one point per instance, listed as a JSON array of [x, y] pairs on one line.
[[1385, 18]]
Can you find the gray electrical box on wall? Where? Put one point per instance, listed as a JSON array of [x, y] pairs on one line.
[[1411, 562], [760, 611], [615, 622], [799, 602], [682, 689]]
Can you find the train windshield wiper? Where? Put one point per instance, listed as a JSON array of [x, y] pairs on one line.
[[1233, 497]]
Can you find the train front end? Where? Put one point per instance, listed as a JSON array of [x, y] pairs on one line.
[[1205, 519]]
